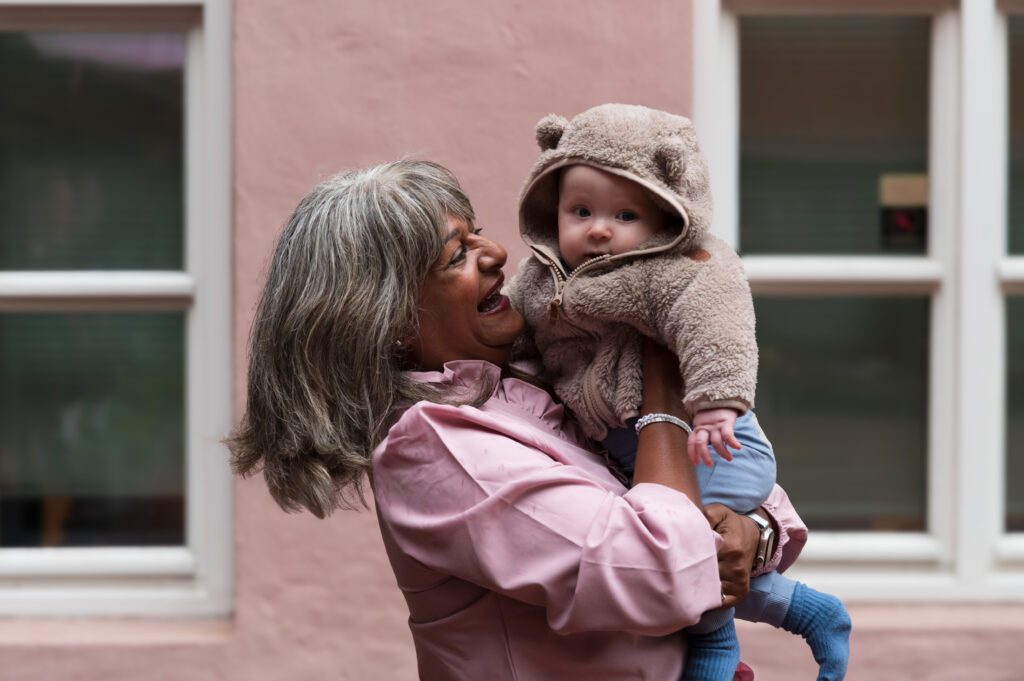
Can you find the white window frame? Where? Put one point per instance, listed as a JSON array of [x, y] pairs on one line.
[[964, 552], [194, 579]]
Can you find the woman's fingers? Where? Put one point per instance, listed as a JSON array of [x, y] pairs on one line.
[[736, 554]]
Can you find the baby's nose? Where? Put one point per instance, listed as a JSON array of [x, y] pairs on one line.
[[599, 229]]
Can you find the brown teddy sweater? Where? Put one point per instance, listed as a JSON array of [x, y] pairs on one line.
[[684, 288]]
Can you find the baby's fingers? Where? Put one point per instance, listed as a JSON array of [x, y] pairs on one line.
[[719, 445], [697, 448], [691, 451], [728, 438]]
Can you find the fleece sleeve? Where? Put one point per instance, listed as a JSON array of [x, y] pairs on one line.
[[467, 500], [707, 318]]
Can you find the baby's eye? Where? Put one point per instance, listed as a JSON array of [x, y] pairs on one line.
[[581, 212], [627, 216]]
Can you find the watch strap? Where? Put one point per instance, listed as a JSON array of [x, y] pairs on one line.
[[765, 543]]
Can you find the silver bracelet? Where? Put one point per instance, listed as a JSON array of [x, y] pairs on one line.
[[647, 420]]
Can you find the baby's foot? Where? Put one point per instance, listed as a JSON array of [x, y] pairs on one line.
[[823, 621]]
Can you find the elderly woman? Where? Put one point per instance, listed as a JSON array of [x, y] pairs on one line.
[[379, 349]]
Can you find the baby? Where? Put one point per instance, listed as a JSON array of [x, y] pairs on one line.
[[617, 212]]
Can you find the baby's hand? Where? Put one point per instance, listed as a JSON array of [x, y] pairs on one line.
[[712, 426]]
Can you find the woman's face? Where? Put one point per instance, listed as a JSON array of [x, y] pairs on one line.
[[462, 314]]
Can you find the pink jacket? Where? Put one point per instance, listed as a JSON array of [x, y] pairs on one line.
[[522, 557]]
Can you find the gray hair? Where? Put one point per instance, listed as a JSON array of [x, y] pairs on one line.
[[325, 372]]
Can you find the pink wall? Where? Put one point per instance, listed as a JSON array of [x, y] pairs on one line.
[[321, 87], [324, 86]]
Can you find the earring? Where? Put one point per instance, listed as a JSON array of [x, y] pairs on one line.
[[398, 343]]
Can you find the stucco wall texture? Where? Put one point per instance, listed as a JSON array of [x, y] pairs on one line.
[[323, 86]]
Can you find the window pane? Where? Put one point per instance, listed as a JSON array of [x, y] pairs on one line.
[[1016, 189], [1015, 415], [832, 109], [842, 395], [91, 155], [91, 429]]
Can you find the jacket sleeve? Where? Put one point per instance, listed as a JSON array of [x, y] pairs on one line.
[[707, 318], [792, 531], [471, 502]]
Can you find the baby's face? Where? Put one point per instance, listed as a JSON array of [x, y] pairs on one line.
[[602, 214]]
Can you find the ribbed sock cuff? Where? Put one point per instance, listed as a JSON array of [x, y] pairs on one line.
[[769, 599], [712, 656]]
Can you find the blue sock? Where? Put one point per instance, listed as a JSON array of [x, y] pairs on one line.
[[823, 621], [712, 656]]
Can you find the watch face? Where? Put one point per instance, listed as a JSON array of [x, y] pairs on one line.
[[759, 521]]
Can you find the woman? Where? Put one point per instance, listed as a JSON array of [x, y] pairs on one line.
[[378, 348]]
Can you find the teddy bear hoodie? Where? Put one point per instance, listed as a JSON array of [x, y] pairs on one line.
[[683, 288]]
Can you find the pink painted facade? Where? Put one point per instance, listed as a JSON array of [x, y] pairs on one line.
[[320, 87]]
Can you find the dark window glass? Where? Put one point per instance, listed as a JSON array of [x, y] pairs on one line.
[[91, 151], [842, 394], [1015, 415], [1016, 151], [92, 429], [834, 135]]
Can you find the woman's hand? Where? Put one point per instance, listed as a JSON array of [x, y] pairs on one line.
[[736, 555]]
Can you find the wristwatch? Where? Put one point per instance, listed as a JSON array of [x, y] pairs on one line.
[[766, 543]]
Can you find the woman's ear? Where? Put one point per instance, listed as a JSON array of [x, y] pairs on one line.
[[669, 156], [549, 130]]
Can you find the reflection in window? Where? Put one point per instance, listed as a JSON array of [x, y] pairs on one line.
[[91, 429], [842, 395], [831, 108], [91, 151]]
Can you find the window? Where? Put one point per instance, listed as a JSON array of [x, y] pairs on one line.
[[1015, 303], [832, 108], [856, 151], [114, 309]]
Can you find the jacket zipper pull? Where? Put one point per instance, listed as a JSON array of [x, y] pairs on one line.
[[559, 276], [556, 303]]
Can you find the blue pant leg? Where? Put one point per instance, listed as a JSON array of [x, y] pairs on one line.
[[745, 482]]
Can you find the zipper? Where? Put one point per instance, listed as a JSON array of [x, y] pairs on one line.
[[562, 279], [592, 397], [596, 404]]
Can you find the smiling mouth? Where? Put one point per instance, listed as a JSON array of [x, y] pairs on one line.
[[493, 300]]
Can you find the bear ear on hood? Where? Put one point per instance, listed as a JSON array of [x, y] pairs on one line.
[[549, 131], [669, 155]]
